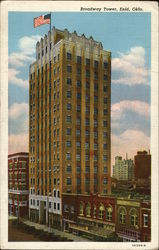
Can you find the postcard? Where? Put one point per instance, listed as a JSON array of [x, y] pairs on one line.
[[79, 125]]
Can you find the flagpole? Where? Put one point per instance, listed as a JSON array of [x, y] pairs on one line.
[[50, 23]]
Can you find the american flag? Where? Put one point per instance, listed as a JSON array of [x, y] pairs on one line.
[[42, 20]]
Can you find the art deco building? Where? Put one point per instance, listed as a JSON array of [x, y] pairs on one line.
[[69, 144]]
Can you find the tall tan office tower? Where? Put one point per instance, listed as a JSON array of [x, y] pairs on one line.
[[69, 143]]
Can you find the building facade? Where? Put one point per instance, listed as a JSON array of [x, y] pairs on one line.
[[123, 169], [142, 165], [69, 143], [18, 184]]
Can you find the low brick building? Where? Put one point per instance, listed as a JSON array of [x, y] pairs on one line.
[[90, 215], [18, 182]]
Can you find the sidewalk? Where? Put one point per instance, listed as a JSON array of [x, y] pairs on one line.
[[56, 232]]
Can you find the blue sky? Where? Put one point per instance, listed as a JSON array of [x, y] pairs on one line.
[[126, 35]]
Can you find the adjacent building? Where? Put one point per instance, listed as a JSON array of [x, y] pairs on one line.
[[142, 165], [123, 169], [18, 184], [69, 123], [133, 220]]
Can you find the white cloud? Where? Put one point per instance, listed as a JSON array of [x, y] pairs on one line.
[[130, 141], [18, 143], [20, 59], [14, 79], [18, 109], [130, 68], [27, 46], [118, 109]]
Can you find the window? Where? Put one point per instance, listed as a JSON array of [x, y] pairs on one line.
[[94, 212], [105, 100], [95, 64], [78, 144], [58, 206], [105, 146], [95, 157], [79, 59], [68, 94], [95, 98], [37, 202], [72, 209], [105, 111], [122, 215], [88, 210], [95, 181], [66, 208], [133, 217], [68, 181], [145, 220], [109, 213], [87, 169], [101, 212], [69, 81], [104, 157], [95, 123], [87, 181], [78, 157], [104, 135], [69, 68], [87, 110], [69, 56], [105, 181], [78, 96], [78, 181], [68, 118], [68, 144], [87, 133], [95, 169], [87, 73], [78, 169], [78, 83], [87, 85], [68, 131], [95, 87], [87, 61], [105, 89], [81, 210], [58, 194], [69, 106], [105, 169], [105, 77], [78, 121], [104, 124], [87, 145], [95, 111], [95, 75], [95, 134], [87, 122], [78, 108], [95, 146], [68, 169], [49, 204], [105, 65], [54, 205], [87, 157], [78, 71], [68, 156], [78, 132]]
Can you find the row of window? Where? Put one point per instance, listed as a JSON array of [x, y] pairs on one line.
[[87, 181], [87, 145], [54, 205], [87, 61], [87, 132], [87, 157]]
